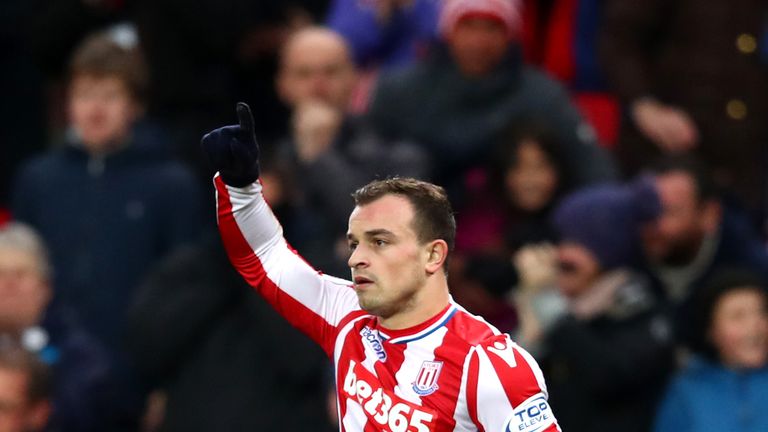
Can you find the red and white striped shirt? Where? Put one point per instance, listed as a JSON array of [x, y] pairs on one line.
[[454, 372]]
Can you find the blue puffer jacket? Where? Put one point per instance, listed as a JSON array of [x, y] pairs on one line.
[[708, 397]]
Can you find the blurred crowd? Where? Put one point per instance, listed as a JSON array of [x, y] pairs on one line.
[[607, 161]]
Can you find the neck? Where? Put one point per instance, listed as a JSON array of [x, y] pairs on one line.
[[432, 298]]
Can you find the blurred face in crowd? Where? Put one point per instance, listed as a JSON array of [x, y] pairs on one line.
[[578, 269], [739, 328], [316, 66], [478, 44], [23, 289], [532, 180], [102, 111], [17, 413], [676, 236], [389, 264]]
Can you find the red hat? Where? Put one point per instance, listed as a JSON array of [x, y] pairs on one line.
[[508, 12]]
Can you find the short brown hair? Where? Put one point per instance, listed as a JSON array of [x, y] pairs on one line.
[[433, 216], [100, 55], [39, 380]]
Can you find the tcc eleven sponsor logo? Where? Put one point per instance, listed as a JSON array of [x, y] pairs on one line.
[[532, 415], [372, 340]]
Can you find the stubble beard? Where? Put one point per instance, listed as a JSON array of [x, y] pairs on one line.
[[377, 302]]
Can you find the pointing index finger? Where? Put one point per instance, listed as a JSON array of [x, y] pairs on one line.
[[245, 117]]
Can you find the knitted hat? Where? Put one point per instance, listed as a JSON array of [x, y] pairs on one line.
[[606, 219], [508, 12]]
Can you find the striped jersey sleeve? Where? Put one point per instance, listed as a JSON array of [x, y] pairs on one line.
[[506, 390], [315, 303]]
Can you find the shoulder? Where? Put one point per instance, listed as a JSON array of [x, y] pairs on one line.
[[531, 75], [470, 329], [52, 160], [401, 80], [494, 354]]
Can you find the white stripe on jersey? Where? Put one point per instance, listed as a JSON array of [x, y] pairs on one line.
[[463, 422], [490, 395], [354, 417], [416, 353]]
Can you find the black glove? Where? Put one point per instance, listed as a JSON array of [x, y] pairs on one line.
[[233, 151]]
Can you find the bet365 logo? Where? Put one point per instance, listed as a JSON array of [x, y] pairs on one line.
[[383, 408]]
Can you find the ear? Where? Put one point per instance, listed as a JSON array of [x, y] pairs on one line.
[[711, 214], [436, 253]]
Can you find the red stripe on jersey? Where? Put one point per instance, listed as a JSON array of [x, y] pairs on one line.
[[395, 358], [473, 330], [470, 328], [250, 268], [518, 380], [472, 382]]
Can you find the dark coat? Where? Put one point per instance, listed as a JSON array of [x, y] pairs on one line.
[[458, 119], [105, 222], [85, 394], [607, 373], [739, 246], [225, 358]]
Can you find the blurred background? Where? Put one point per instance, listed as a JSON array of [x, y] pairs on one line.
[[607, 161]]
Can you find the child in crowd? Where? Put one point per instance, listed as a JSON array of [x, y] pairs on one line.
[[725, 384]]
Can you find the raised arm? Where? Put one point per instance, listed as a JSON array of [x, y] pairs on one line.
[[253, 238]]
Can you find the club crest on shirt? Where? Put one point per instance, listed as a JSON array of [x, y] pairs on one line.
[[426, 380]]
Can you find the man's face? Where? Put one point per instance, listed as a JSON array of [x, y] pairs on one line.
[[478, 45], [387, 260], [316, 66], [23, 289], [14, 409], [102, 110], [675, 237]]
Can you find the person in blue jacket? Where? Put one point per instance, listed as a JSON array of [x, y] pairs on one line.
[[724, 387], [109, 202]]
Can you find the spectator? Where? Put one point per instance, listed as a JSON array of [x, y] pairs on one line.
[[725, 385], [220, 353], [693, 75], [108, 203], [24, 390], [332, 153], [455, 102], [509, 208], [607, 350], [81, 387], [511, 203], [696, 233]]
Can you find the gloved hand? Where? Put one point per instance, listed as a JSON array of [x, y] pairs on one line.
[[233, 150]]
